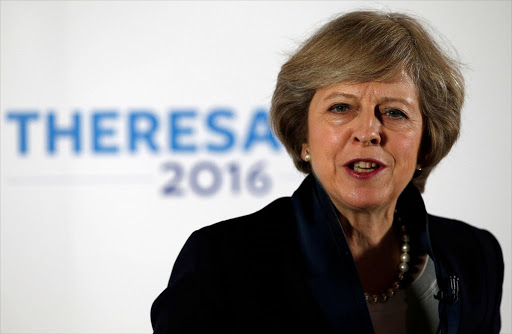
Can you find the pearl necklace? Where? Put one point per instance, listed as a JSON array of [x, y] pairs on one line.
[[402, 269]]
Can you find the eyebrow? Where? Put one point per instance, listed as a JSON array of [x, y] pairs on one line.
[[406, 101], [338, 94]]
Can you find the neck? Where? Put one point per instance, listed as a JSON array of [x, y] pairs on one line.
[[375, 246], [367, 230]]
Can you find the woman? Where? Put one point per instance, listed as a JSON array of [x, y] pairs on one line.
[[367, 107]]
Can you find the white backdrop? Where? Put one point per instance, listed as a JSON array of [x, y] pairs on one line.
[[165, 102]]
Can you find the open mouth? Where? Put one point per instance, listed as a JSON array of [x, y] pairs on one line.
[[364, 166]]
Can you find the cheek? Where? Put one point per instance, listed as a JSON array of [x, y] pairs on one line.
[[322, 131], [326, 146], [326, 142], [408, 149]]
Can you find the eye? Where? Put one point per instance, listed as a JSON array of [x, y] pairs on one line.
[[339, 108], [395, 113]]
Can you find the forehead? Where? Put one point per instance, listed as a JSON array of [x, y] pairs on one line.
[[399, 86]]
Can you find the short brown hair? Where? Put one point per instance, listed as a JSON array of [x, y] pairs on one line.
[[367, 46]]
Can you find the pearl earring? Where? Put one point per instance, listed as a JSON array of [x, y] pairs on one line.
[[418, 167], [307, 157]]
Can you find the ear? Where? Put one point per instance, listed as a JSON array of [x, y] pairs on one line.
[[305, 149]]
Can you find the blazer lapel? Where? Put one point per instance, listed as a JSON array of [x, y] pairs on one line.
[[331, 272], [412, 209]]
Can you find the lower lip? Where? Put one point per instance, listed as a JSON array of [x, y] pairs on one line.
[[363, 176]]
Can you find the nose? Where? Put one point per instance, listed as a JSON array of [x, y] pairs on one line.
[[367, 129]]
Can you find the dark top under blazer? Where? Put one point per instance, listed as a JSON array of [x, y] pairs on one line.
[[288, 268]]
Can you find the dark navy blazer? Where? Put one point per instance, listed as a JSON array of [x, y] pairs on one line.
[[288, 268]]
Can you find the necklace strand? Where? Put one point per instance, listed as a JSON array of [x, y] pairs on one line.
[[402, 270]]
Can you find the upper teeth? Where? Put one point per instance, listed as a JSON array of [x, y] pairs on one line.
[[365, 164]]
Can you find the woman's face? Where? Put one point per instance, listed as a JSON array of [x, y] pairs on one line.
[[363, 140]]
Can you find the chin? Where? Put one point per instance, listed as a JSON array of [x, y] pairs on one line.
[[365, 199], [365, 205]]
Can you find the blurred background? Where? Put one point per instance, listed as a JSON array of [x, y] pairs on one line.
[[126, 125]]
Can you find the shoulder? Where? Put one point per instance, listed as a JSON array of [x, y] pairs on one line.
[[276, 216], [466, 248], [262, 233], [460, 232], [230, 242]]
